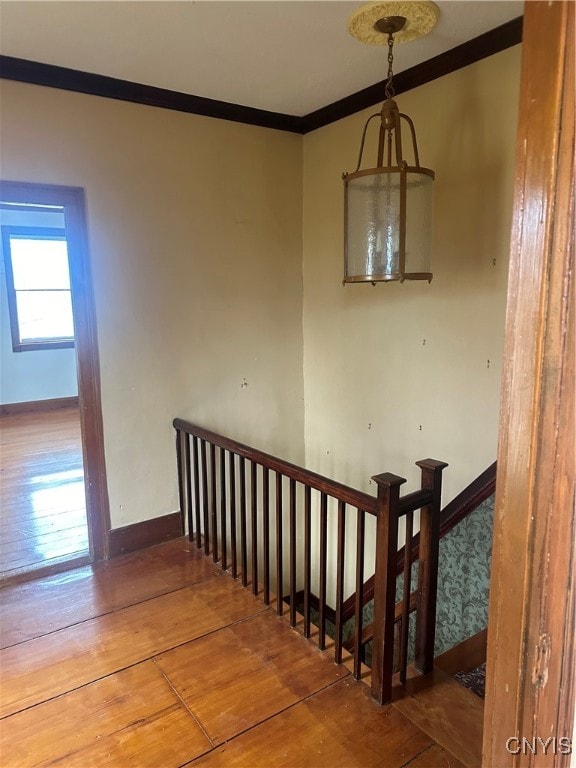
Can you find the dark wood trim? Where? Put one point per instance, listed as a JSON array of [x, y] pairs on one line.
[[465, 656], [37, 73], [480, 47], [88, 366], [453, 513], [351, 496], [531, 622], [136, 536], [87, 357], [39, 406], [474, 494]]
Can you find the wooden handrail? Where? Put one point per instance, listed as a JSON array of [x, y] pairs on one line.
[[480, 489], [413, 501], [351, 496], [229, 491], [468, 499]]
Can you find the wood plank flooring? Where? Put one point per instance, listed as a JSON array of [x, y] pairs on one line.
[[158, 659], [43, 516], [445, 710], [84, 593]]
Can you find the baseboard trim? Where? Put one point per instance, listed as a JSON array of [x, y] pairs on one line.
[[130, 538], [314, 603], [38, 406], [465, 656]]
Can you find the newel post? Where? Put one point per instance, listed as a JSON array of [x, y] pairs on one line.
[[428, 565], [385, 585]]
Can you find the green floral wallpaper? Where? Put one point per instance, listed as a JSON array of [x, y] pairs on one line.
[[464, 578], [463, 582]]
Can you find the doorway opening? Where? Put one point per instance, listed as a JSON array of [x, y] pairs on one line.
[[55, 505], [44, 507]]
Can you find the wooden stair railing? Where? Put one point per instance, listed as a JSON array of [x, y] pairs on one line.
[[231, 493], [480, 489]]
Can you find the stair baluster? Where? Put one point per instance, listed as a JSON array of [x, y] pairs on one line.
[[212, 468]]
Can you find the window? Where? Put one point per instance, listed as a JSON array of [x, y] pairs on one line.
[[38, 285]]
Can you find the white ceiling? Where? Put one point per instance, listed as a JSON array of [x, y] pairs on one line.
[[290, 57]]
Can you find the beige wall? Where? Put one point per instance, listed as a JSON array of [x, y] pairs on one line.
[[396, 373], [195, 230], [196, 236]]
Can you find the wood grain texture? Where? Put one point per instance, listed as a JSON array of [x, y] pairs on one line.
[[449, 713], [340, 726], [147, 684], [46, 605], [54, 664], [43, 495], [263, 667], [531, 637], [129, 718], [465, 656]]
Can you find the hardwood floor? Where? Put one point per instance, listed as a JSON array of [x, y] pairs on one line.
[[159, 659], [43, 516]]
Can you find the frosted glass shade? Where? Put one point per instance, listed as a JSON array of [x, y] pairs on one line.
[[388, 224]]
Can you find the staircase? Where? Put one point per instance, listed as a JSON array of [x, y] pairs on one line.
[[265, 520], [477, 496]]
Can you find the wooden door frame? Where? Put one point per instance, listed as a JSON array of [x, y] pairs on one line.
[[531, 630], [87, 359]]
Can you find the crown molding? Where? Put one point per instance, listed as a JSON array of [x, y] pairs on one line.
[[478, 48], [36, 73]]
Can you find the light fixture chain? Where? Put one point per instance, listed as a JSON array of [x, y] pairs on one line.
[[389, 90]]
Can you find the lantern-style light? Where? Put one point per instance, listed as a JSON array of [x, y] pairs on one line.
[[388, 207]]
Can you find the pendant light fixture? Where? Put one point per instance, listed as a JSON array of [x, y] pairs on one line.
[[388, 207]]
